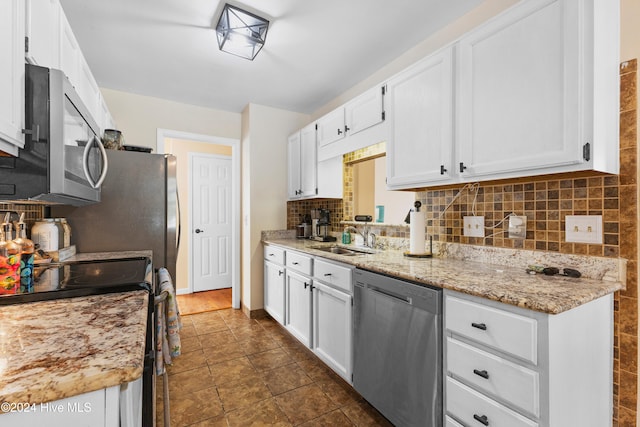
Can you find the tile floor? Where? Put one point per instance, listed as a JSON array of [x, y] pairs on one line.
[[235, 371]]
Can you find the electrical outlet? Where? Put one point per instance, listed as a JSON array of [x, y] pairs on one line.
[[517, 227], [473, 226], [583, 228]]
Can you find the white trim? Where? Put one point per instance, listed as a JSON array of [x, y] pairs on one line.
[[161, 134]]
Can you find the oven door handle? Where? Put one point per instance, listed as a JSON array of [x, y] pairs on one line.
[[85, 163]]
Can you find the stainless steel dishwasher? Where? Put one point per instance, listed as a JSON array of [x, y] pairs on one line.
[[397, 365]]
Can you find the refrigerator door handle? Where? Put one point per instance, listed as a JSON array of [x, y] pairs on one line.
[[179, 222]]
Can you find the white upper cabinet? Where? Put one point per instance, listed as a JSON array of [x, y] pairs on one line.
[[420, 123], [89, 91], [69, 52], [42, 32], [12, 24], [365, 111], [538, 91], [302, 164], [331, 127]]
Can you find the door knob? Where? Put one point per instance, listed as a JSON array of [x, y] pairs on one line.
[[199, 231]]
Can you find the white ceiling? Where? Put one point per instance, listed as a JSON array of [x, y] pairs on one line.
[[315, 49]]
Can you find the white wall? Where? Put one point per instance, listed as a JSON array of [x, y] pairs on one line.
[[138, 117], [264, 188]]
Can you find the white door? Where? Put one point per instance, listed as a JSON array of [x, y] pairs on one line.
[[211, 221]]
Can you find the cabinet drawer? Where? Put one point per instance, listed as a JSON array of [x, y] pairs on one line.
[[298, 262], [475, 409], [450, 422], [500, 329], [333, 274], [274, 254], [489, 373]]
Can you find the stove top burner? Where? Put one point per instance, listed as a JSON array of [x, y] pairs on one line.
[[65, 280]]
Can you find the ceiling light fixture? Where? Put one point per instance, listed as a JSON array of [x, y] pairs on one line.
[[241, 33]]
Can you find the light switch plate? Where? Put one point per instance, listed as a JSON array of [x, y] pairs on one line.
[[517, 227], [473, 226], [583, 228]]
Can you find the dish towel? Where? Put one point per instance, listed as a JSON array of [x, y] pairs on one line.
[[168, 323]]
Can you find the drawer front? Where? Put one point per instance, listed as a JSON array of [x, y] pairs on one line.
[[489, 373], [333, 274], [450, 422], [500, 329], [298, 262], [274, 254], [475, 409]]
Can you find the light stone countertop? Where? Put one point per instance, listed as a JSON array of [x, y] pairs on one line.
[[51, 350], [498, 282]]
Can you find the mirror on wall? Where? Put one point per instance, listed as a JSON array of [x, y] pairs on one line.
[[370, 191]]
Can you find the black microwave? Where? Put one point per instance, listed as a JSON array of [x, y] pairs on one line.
[[63, 160]]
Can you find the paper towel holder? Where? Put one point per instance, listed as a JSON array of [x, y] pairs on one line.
[[429, 254]]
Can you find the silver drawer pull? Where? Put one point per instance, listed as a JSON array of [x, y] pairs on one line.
[[482, 419], [294, 263], [327, 274], [484, 374], [480, 326]]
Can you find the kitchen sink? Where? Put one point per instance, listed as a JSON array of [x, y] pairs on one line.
[[341, 250]]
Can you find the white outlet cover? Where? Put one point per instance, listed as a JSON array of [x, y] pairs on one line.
[[583, 229], [473, 226]]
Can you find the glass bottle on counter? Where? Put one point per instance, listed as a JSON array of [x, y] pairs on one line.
[[45, 234], [27, 255], [9, 261]]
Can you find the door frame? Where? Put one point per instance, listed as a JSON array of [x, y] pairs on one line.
[[191, 155], [161, 134]]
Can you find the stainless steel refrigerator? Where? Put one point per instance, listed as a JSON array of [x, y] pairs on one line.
[[139, 209]]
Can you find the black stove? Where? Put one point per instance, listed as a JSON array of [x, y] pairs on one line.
[[74, 279]]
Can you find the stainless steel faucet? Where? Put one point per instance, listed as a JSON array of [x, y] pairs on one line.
[[365, 236]]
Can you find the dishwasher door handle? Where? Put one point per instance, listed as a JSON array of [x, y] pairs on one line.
[[401, 298]]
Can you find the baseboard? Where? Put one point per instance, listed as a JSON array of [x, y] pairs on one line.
[[253, 314]]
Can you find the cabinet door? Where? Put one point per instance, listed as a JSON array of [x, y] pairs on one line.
[[42, 20], [298, 311], [332, 328], [69, 51], [88, 89], [364, 111], [520, 91], [420, 144], [274, 286], [293, 166], [331, 127], [12, 23], [308, 162]]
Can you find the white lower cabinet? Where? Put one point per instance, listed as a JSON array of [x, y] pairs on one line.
[[332, 316], [505, 366], [98, 408], [298, 317], [274, 283]]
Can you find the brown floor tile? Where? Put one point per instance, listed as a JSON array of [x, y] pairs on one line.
[[189, 408], [220, 421], [187, 361], [208, 316], [363, 414], [253, 331], [258, 345], [285, 378], [190, 344], [242, 394], [223, 352], [190, 381], [233, 370], [298, 352], [187, 331], [210, 326], [341, 393], [316, 369], [270, 359], [216, 338], [336, 418], [305, 403], [265, 413]]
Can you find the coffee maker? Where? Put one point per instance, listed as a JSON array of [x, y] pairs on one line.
[[323, 226]]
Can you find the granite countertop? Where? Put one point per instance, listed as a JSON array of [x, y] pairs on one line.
[[51, 350], [503, 283]]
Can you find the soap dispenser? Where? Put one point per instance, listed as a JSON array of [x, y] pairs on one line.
[[9, 260], [27, 254], [346, 236]]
